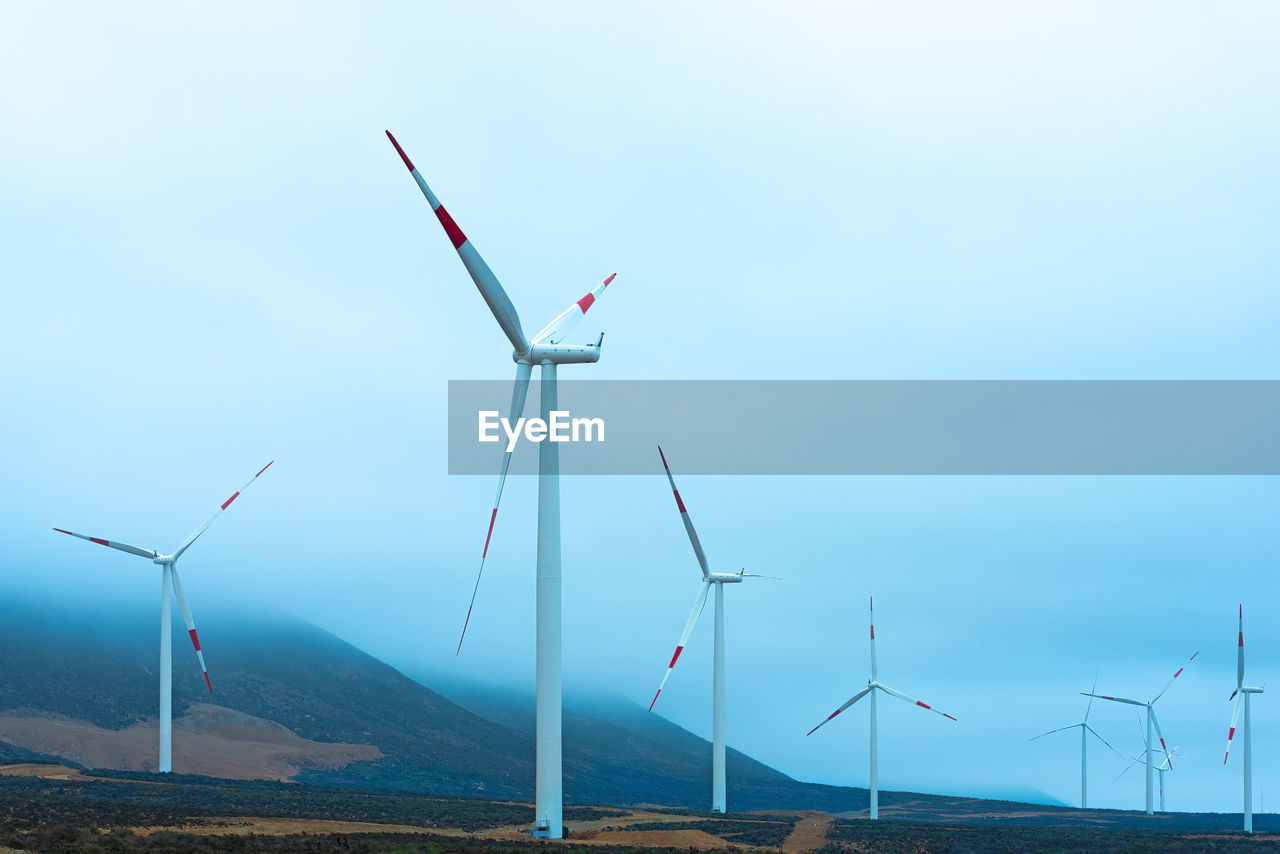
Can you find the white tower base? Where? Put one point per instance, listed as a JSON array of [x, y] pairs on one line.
[[874, 785], [717, 709], [549, 795], [166, 672]]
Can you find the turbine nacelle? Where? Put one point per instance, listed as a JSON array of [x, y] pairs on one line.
[[164, 560], [560, 354], [725, 578]]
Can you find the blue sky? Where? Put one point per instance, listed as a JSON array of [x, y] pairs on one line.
[[212, 257]]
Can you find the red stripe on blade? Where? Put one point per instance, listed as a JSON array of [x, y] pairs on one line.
[[264, 468], [1242, 638], [194, 640], [945, 715], [450, 227], [207, 682], [679, 503], [923, 705], [400, 150], [679, 650], [873, 632], [1179, 673], [227, 503], [611, 278], [100, 542], [664, 459], [485, 553], [655, 699], [586, 302]]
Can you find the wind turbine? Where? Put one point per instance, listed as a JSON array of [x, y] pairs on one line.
[[1242, 693], [547, 350], [1085, 729], [169, 580], [709, 579], [872, 686], [1151, 721], [1166, 765]]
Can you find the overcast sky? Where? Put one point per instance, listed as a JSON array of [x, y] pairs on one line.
[[211, 257]]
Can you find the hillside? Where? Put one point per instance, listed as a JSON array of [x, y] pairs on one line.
[[294, 702]]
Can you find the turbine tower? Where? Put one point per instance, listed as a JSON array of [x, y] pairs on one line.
[[1241, 694], [1151, 721], [169, 581], [709, 579], [547, 350], [1085, 729], [872, 686]]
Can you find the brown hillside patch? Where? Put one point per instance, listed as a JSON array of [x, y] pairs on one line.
[[209, 739], [699, 839], [810, 833], [47, 772]]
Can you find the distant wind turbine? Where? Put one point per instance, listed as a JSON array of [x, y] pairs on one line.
[[709, 579], [547, 350], [1151, 721], [1242, 693], [872, 686], [169, 580], [1165, 765], [1085, 729]]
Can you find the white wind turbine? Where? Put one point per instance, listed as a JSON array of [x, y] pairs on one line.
[[1085, 729], [1166, 765], [872, 686], [547, 350], [709, 579], [1241, 695], [169, 580], [1151, 721]]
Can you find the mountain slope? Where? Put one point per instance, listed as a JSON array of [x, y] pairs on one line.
[[98, 666]]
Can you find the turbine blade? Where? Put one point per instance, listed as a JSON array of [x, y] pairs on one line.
[[684, 517], [519, 391], [871, 605], [855, 698], [921, 704], [191, 626], [124, 547], [1132, 763], [490, 288], [1089, 707], [1052, 731], [1112, 699], [1175, 676], [1231, 733], [1240, 654], [1160, 735], [1103, 740], [557, 330], [195, 535], [698, 604]]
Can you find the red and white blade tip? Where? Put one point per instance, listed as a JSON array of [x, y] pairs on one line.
[[400, 151], [829, 717], [925, 705]]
